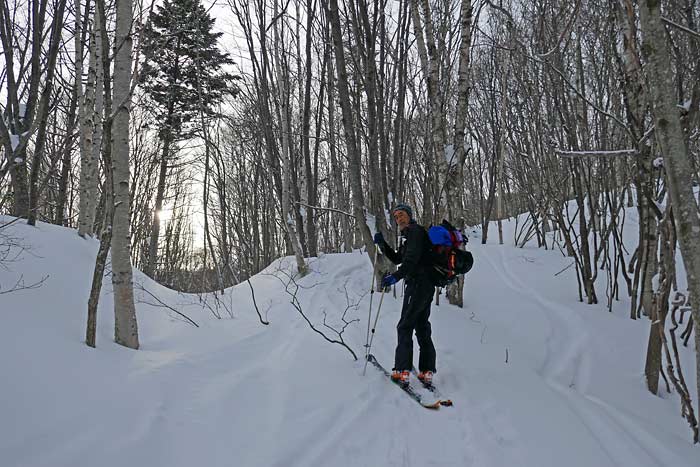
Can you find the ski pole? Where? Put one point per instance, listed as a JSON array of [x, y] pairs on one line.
[[371, 296], [374, 328]]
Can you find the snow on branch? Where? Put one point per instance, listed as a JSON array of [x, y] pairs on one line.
[[619, 152]]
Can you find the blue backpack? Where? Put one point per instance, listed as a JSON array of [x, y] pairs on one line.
[[446, 256]]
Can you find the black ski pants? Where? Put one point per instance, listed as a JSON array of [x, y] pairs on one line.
[[414, 317]]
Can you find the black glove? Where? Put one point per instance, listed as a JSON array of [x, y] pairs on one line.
[[379, 239]]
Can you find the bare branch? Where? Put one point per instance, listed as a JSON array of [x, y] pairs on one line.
[[255, 304], [21, 285], [619, 152], [291, 287], [681, 27], [162, 303], [324, 209]]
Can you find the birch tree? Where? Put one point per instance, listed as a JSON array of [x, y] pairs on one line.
[[125, 326], [90, 104]]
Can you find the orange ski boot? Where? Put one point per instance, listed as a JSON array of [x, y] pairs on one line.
[[426, 377], [400, 377]]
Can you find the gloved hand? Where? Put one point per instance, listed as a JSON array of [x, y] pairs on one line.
[[379, 239], [389, 280]]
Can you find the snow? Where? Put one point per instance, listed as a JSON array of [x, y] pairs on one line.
[[371, 221], [450, 156], [14, 141], [537, 378]]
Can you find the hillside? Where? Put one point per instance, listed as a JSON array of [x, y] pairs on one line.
[[537, 378]]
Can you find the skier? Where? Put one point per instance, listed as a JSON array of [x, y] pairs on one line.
[[413, 255]]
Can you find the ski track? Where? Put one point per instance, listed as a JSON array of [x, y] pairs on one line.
[[208, 401], [477, 423], [242, 395], [602, 425], [565, 356], [567, 369]]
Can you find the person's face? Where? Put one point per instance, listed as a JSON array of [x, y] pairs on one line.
[[401, 219]]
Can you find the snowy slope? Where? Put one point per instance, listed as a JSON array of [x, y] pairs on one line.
[[236, 393]]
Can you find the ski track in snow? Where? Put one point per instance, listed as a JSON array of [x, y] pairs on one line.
[[567, 336], [234, 392], [566, 360]]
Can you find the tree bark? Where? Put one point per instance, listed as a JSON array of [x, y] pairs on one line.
[[354, 164], [125, 326], [336, 168], [90, 132], [42, 113], [670, 136], [152, 265], [454, 183], [311, 235], [287, 209]]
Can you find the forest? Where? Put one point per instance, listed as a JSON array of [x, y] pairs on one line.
[[200, 141]]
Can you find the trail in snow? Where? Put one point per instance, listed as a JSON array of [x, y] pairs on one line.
[[233, 392]]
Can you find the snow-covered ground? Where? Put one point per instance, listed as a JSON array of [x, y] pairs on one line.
[[236, 393]]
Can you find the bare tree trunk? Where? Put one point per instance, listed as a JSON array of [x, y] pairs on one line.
[[152, 265], [354, 164], [336, 169], [454, 183], [125, 326], [67, 151], [98, 118], [81, 26], [658, 313], [90, 130], [100, 261], [287, 211], [43, 111], [436, 165], [19, 120], [106, 230], [673, 146], [311, 235], [501, 154]]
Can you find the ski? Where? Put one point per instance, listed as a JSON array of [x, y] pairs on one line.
[[432, 388], [407, 388]]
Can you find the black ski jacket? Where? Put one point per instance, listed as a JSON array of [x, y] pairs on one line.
[[413, 254]]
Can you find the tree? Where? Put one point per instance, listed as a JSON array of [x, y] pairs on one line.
[[354, 164], [125, 327], [187, 59], [675, 151], [91, 101], [26, 68]]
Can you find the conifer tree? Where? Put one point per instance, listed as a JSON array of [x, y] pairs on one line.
[[183, 73]]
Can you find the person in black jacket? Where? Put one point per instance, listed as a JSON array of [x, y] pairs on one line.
[[413, 257]]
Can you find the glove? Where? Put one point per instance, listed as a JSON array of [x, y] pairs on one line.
[[379, 239], [389, 280]]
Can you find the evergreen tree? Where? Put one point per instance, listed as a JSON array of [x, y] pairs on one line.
[[182, 56], [183, 75]]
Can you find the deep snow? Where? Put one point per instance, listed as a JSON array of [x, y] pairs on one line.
[[236, 393]]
